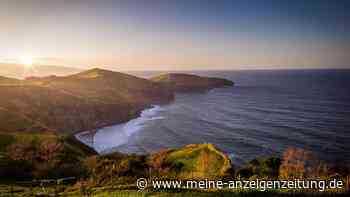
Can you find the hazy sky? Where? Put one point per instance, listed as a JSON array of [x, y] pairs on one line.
[[178, 34]]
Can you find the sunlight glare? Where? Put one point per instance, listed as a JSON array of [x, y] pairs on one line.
[[26, 60]]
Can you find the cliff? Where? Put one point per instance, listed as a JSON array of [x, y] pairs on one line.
[[87, 100], [191, 83]]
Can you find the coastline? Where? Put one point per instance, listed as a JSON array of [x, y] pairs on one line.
[[87, 136], [120, 131]]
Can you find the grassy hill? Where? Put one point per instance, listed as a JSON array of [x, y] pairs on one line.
[[109, 87], [97, 172], [195, 161], [115, 174], [190, 83], [15, 122], [87, 100]]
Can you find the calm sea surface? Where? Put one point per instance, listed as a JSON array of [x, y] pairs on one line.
[[265, 113]]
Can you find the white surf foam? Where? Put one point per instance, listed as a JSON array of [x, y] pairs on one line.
[[109, 138]]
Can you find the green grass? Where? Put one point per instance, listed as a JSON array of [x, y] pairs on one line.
[[199, 161]]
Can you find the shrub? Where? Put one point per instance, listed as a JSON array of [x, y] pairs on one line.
[[300, 163], [261, 168], [43, 158]]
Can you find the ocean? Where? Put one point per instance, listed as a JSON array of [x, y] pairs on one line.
[[266, 112]]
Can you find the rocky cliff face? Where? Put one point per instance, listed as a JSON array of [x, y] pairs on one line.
[[191, 83]]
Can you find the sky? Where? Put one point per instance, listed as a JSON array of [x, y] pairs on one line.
[[177, 34]]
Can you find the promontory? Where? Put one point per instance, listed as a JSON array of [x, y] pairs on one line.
[[88, 100]]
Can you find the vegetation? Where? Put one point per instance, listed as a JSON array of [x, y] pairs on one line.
[[39, 156], [87, 100], [196, 161], [267, 168], [191, 83], [52, 158], [83, 101]]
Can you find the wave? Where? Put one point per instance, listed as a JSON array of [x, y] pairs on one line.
[[108, 138]]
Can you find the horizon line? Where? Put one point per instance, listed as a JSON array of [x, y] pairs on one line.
[[107, 67]]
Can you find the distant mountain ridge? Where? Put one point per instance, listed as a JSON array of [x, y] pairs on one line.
[[20, 71], [8, 81]]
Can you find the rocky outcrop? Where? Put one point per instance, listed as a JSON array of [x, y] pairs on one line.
[[191, 83]]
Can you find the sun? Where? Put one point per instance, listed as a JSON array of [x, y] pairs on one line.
[[26, 60]]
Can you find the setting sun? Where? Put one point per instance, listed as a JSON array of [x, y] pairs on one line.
[[26, 60]]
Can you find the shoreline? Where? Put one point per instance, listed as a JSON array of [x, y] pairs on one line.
[[121, 131]]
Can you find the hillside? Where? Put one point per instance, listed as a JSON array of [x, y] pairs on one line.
[[87, 100], [54, 159], [194, 161], [24, 155], [8, 81], [191, 83], [56, 110], [109, 87], [99, 172]]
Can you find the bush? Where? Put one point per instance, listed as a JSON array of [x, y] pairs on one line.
[[262, 168], [300, 163], [42, 158], [115, 167]]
